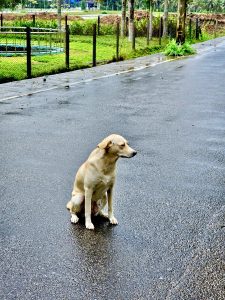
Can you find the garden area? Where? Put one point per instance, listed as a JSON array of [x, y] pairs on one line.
[[109, 46]]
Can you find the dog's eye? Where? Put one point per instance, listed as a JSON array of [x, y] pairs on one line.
[[122, 145]]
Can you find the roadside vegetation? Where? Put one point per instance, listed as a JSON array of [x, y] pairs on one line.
[[174, 49], [81, 41]]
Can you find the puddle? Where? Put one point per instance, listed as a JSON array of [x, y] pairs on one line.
[[63, 102], [13, 113]]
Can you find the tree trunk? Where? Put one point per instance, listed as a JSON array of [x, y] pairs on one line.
[[59, 13], [123, 18], [131, 20], [165, 19], [181, 17], [150, 20]]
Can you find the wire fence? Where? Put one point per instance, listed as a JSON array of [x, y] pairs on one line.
[[27, 52], [19, 45]]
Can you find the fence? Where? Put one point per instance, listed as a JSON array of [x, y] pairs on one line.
[[30, 52]]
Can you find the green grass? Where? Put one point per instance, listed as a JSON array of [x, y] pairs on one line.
[[14, 68]]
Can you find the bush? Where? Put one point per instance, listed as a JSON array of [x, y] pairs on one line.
[[82, 27], [174, 49], [141, 26], [86, 28], [40, 24]]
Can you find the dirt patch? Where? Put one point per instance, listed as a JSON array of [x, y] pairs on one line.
[[38, 16]]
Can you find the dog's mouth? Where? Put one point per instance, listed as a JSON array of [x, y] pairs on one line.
[[128, 156]]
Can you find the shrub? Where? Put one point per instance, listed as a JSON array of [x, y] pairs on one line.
[[86, 28], [174, 49], [82, 27], [39, 23], [141, 26]]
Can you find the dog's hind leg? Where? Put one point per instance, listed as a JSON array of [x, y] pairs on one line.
[[104, 201], [75, 206]]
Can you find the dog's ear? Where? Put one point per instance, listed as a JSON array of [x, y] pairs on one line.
[[105, 144]]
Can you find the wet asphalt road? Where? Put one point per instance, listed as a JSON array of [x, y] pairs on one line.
[[169, 199]]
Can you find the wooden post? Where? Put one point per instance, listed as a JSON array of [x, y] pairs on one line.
[[28, 46], [117, 40], [94, 46], [67, 47]]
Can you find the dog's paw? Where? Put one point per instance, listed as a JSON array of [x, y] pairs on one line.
[[113, 221], [103, 215], [74, 219], [89, 225]]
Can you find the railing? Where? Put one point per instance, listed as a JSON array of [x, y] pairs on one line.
[[13, 41]]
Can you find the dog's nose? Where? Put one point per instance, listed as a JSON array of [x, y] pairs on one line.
[[134, 153]]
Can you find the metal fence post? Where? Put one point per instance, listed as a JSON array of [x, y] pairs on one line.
[[160, 30], [197, 30], [133, 39], [117, 40], [67, 46], [1, 20], [215, 27], [190, 29], [99, 24], [148, 23], [33, 20], [66, 21], [94, 46], [28, 48], [127, 22]]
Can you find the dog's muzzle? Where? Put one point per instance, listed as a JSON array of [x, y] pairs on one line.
[[129, 156]]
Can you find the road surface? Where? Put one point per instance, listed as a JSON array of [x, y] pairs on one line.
[[169, 199]]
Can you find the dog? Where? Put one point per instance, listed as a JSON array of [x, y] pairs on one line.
[[95, 179]]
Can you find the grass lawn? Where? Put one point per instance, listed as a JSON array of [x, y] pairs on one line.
[[14, 68]]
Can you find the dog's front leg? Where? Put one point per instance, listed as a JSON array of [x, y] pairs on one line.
[[88, 196], [112, 219]]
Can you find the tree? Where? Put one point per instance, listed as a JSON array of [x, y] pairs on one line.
[[131, 20], [123, 18], [165, 19], [9, 3], [59, 13], [181, 17], [150, 16]]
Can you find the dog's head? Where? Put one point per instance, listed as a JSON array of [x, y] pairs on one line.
[[118, 146]]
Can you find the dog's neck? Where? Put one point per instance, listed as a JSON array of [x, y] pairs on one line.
[[107, 162]]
